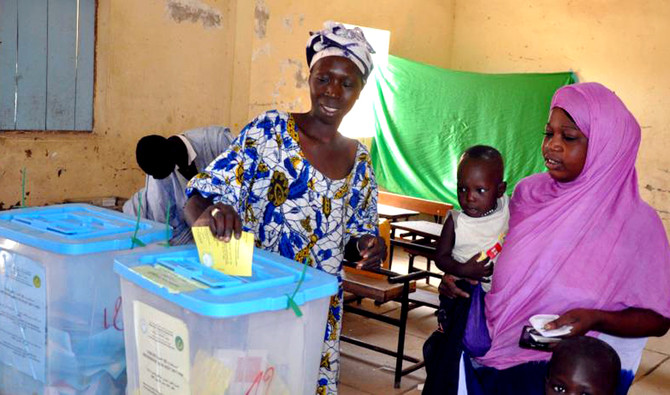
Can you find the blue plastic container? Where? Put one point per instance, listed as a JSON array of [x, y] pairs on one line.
[[222, 334], [60, 303]]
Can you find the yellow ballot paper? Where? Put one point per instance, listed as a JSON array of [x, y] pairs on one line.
[[233, 258]]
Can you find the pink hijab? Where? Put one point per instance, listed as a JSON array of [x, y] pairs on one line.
[[588, 243]]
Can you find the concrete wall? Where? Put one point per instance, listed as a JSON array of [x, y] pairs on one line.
[[162, 66], [621, 44]]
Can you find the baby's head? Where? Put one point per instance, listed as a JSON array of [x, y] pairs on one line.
[[480, 180], [583, 365]]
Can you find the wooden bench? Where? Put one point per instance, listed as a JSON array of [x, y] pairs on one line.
[[382, 286], [376, 287]]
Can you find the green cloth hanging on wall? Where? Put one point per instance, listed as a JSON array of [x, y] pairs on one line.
[[426, 116]]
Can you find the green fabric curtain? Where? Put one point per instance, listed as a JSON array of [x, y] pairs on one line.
[[426, 116]]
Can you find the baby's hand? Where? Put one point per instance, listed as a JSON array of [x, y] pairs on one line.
[[449, 288], [477, 270]]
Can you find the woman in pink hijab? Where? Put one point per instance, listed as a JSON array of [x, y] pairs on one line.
[[582, 244]]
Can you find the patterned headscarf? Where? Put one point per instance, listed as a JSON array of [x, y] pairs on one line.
[[337, 40], [588, 243]]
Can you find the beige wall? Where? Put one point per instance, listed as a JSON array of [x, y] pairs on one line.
[[162, 66], [420, 30], [622, 44]]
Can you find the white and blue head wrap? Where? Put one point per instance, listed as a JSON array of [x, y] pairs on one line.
[[337, 40]]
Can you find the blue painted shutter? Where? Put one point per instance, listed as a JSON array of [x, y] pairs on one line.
[[46, 64]]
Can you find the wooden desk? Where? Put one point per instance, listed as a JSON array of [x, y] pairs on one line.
[[394, 214], [425, 247], [427, 229]]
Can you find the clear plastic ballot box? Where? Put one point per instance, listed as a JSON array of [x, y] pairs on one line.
[[60, 301], [193, 330]]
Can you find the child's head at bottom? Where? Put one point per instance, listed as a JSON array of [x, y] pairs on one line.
[[480, 180], [583, 365]]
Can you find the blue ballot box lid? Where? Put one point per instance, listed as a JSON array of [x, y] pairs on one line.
[[77, 229], [273, 279]]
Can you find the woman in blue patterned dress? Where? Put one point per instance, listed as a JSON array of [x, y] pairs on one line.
[[303, 189]]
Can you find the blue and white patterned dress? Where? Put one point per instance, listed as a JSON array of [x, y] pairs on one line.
[[293, 209]]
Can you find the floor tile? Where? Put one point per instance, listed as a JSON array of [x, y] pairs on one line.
[[381, 334], [420, 321], [650, 361], [659, 344], [344, 389], [655, 383], [362, 371]]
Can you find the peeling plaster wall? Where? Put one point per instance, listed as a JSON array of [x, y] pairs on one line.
[[162, 66], [420, 30], [621, 44]]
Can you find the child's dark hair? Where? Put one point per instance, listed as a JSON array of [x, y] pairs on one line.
[[487, 154], [483, 152], [594, 353]]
